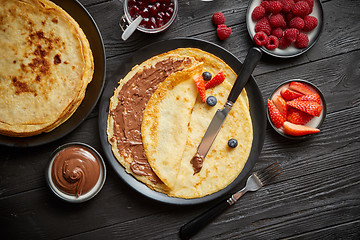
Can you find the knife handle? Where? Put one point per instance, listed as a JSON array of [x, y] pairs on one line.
[[252, 58], [192, 227]]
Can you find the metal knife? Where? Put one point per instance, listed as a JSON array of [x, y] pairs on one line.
[[252, 58]]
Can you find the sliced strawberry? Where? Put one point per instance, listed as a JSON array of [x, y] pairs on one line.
[[200, 84], [311, 97], [298, 130], [275, 115], [289, 94], [280, 104], [300, 87], [298, 117], [216, 80], [311, 108]]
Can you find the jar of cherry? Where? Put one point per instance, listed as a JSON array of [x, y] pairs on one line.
[[152, 16]]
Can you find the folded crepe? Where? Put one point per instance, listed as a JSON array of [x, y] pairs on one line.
[[174, 124]]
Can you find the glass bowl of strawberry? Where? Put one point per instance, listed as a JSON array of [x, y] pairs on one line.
[[296, 109], [156, 15], [285, 28]]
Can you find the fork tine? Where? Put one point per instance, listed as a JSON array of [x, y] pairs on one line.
[[267, 174]]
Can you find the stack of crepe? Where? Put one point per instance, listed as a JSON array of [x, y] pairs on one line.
[[174, 122], [45, 67]]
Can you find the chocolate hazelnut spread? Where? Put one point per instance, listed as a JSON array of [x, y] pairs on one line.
[[128, 114], [75, 170], [197, 162]]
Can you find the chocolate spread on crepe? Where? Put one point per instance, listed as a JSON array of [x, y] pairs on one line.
[[126, 111], [128, 114]]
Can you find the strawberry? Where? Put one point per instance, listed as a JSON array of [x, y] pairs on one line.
[[298, 130], [200, 84], [300, 87], [216, 80], [298, 117], [276, 117], [309, 107], [311, 97], [280, 104], [289, 94]]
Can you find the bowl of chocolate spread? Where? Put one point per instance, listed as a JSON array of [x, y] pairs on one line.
[[76, 172]]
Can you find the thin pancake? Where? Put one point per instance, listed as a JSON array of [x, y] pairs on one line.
[[171, 105], [49, 65]]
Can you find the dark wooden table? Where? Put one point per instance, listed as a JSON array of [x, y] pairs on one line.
[[318, 195]]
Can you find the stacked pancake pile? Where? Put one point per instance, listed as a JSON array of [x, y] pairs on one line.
[[45, 67], [157, 120]]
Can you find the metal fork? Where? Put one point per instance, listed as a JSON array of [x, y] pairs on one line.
[[253, 183]]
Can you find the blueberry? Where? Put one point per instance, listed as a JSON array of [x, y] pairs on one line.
[[206, 76], [211, 100], [233, 143]]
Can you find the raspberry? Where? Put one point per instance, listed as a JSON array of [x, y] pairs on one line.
[[277, 32], [277, 20], [223, 31], [311, 4], [297, 22], [218, 18], [310, 23], [266, 6], [275, 7], [261, 38], [302, 40], [291, 34], [258, 13], [287, 5], [263, 25], [284, 43], [301, 9], [272, 43]]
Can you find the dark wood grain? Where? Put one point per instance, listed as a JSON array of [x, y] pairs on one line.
[[317, 196]]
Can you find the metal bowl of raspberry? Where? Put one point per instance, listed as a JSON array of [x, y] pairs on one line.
[[157, 16], [296, 109], [285, 28]]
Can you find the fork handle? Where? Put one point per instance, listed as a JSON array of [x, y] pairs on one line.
[[192, 227]]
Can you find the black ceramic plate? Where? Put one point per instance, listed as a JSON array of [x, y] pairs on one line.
[[93, 91], [257, 111], [290, 51]]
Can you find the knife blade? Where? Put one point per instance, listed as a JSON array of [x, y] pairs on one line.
[[252, 58]]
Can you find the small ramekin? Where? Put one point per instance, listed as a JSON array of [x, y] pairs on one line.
[[69, 197]]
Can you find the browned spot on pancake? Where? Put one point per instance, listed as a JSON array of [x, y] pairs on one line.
[[57, 59], [54, 20], [38, 78], [40, 63], [14, 61], [43, 22], [66, 62], [40, 52], [21, 87]]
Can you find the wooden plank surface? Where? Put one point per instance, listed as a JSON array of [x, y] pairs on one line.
[[317, 196]]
